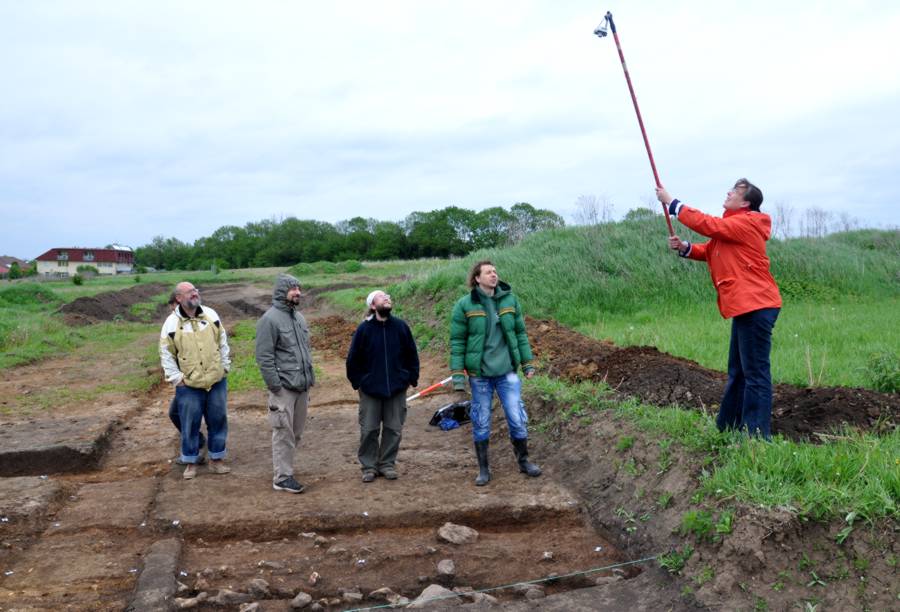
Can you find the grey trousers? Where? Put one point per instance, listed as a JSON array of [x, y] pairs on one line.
[[382, 417], [287, 421]]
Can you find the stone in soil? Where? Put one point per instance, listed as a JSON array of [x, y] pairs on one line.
[[457, 534]]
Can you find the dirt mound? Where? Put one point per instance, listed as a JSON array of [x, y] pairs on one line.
[[332, 334], [660, 379], [110, 305], [232, 302]]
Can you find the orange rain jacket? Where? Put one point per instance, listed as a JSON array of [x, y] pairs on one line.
[[736, 256]]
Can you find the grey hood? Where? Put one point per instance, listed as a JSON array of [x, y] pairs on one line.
[[283, 284]]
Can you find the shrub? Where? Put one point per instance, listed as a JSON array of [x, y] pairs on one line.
[[883, 371], [84, 270], [351, 265], [78, 279], [14, 271]]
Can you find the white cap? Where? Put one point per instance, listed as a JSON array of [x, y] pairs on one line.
[[371, 297]]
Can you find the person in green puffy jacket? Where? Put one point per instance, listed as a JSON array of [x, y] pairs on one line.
[[488, 341]]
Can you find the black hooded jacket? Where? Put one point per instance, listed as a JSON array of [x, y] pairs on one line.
[[383, 360]]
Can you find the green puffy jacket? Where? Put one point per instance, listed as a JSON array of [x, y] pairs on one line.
[[468, 330]]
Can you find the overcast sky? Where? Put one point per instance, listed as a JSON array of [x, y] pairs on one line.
[[121, 121]]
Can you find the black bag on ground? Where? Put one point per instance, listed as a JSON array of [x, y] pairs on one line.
[[458, 411]]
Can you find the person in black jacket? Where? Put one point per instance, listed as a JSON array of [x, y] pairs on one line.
[[382, 364]]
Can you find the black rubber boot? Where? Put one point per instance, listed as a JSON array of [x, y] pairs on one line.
[[525, 466], [484, 472]]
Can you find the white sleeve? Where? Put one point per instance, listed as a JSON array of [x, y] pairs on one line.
[[224, 351], [167, 359]]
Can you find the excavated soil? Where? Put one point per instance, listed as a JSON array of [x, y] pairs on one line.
[[108, 306], [92, 531], [660, 379], [88, 534]]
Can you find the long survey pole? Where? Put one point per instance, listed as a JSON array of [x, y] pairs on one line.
[[637, 110]]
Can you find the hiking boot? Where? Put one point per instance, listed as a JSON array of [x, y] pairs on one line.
[[389, 473], [190, 472], [484, 472], [525, 466], [368, 476], [288, 484], [217, 466]]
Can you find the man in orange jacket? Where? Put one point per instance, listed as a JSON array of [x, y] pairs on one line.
[[747, 294]]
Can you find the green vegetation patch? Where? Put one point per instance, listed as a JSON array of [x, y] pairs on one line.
[[325, 267], [853, 472], [27, 294], [244, 374]]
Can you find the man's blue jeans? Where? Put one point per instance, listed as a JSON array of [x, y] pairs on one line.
[[176, 420], [509, 390], [747, 403], [194, 405]]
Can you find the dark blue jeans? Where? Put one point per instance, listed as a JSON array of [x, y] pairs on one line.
[[176, 420], [195, 405], [747, 403]]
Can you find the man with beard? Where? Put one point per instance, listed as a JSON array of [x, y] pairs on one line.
[[173, 405], [285, 362], [193, 349], [382, 364]]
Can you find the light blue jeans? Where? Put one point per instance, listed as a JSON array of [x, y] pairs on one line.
[[195, 405], [509, 390]]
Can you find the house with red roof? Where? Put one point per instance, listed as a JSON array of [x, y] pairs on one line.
[[6, 261], [65, 261]]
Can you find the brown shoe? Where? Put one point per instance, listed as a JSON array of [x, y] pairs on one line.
[[389, 473], [219, 467], [190, 472]]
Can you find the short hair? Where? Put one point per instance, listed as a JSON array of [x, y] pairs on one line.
[[752, 193], [476, 271]]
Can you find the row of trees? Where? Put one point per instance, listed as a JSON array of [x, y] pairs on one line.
[[451, 231]]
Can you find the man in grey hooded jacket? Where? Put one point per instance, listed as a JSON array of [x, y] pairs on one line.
[[285, 362]]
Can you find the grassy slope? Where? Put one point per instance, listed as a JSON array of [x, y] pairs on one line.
[[619, 281]]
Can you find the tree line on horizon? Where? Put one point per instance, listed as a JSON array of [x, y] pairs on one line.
[[448, 232]]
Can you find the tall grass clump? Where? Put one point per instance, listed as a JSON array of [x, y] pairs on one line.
[[853, 472]]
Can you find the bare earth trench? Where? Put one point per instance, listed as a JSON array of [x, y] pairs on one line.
[[95, 515]]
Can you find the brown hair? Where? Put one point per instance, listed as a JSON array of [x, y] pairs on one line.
[[476, 271]]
